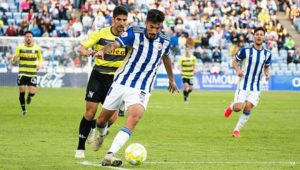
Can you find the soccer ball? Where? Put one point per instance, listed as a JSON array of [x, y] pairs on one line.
[[135, 154]]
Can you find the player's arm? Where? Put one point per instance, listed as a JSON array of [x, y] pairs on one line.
[[106, 49], [40, 59], [16, 56], [168, 66], [267, 67], [239, 57], [85, 46]]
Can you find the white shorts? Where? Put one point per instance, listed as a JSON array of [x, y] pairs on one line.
[[120, 96], [241, 96]]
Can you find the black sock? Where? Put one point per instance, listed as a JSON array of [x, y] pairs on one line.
[[84, 130], [188, 93], [22, 100], [31, 94], [94, 123], [185, 94]]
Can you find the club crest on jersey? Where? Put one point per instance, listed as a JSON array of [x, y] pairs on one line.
[[124, 34], [160, 46]]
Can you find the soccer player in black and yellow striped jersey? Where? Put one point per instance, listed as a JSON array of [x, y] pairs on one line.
[[103, 73], [30, 61], [187, 64]]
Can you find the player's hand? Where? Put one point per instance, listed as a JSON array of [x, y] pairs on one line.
[[99, 54], [240, 73], [267, 77], [38, 67], [173, 87], [89, 52]]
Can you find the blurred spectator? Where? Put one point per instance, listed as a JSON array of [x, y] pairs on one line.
[[1, 28], [87, 22], [24, 6], [4, 19], [289, 43], [36, 31], [216, 55], [11, 30], [234, 48]]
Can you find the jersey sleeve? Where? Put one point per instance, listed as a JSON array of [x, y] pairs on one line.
[[92, 40], [17, 54], [268, 61], [126, 38], [241, 55], [194, 60], [167, 51], [179, 62], [40, 56]]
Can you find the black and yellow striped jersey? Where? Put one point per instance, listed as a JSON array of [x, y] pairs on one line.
[[114, 59], [187, 64], [29, 58]]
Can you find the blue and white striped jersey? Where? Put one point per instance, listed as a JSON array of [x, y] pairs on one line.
[[253, 62], [139, 69]]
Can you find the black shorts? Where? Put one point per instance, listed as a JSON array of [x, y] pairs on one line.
[[98, 87], [25, 80], [188, 81]]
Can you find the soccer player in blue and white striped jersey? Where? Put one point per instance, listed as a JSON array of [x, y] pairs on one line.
[[134, 80], [254, 61]]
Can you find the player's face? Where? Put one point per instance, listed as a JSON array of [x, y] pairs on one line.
[[28, 39], [152, 29], [120, 23], [259, 37]]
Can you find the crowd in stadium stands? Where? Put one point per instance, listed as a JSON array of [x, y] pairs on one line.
[[216, 30]]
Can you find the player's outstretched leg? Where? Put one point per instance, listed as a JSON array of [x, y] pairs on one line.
[[242, 121], [29, 97], [111, 160]]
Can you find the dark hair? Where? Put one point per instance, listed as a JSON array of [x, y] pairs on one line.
[[120, 10], [155, 16], [28, 32], [259, 29]]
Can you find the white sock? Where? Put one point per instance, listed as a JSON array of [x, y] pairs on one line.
[[121, 138], [102, 130], [231, 106], [243, 119]]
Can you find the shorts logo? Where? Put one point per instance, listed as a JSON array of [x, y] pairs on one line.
[[142, 96], [33, 80], [91, 93]]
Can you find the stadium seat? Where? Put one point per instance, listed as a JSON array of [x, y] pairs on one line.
[[288, 72], [292, 66], [17, 15], [24, 14], [11, 20], [9, 15], [13, 8]]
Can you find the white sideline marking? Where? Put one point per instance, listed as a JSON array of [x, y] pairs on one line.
[[208, 162], [99, 165]]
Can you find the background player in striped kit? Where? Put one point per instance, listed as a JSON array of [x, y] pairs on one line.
[[187, 64], [30, 61], [133, 82], [254, 61]]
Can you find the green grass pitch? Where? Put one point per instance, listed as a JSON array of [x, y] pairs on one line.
[[176, 135]]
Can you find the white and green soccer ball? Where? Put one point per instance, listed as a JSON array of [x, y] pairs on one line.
[[135, 154]]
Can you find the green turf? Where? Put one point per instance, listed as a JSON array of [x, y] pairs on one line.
[[176, 135]]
